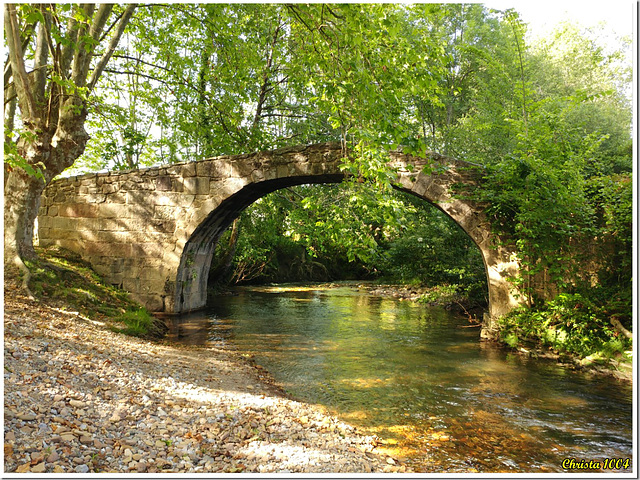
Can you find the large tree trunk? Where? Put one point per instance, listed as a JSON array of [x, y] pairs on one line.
[[21, 203]]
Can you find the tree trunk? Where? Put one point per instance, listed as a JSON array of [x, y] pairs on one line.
[[221, 271], [21, 203]]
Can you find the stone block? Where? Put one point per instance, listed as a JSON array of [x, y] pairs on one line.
[[153, 303], [67, 234], [406, 181], [154, 285], [115, 279], [437, 193], [43, 232], [175, 170], [257, 176], [117, 197], [138, 211], [79, 210], [72, 245], [302, 168], [189, 170], [422, 184], [89, 180], [92, 198], [148, 184], [163, 212], [169, 199], [204, 168], [282, 171], [117, 266], [131, 285], [152, 250], [108, 188], [107, 249], [102, 269], [220, 168], [163, 183], [112, 210], [46, 221], [166, 226], [317, 169], [244, 168], [176, 184], [196, 185]]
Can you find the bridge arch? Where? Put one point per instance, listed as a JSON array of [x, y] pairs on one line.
[[154, 231]]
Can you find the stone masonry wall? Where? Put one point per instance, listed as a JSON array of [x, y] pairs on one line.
[[132, 226]]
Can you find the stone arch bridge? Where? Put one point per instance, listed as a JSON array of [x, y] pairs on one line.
[[153, 231]]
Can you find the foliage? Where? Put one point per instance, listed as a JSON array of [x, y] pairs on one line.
[[337, 232], [432, 251], [315, 233], [570, 323], [550, 158]]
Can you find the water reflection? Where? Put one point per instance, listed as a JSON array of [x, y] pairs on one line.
[[420, 379]]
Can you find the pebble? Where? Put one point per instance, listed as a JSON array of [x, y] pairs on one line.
[[110, 403]]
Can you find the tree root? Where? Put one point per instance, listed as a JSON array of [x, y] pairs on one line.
[[26, 277]]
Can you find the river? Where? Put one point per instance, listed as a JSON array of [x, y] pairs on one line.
[[420, 378]]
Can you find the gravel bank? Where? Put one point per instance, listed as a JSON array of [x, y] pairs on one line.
[[79, 398]]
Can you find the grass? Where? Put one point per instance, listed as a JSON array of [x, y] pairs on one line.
[[63, 280]]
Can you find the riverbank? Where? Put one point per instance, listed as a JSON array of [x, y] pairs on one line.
[[81, 398]]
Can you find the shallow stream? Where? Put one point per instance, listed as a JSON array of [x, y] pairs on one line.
[[420, 378]]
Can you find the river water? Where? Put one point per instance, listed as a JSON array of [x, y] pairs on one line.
[[420, 378]]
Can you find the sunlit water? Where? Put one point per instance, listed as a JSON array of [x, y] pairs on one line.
[[420, 378]]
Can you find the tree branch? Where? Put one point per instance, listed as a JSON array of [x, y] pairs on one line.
[[80, 65], [264, 88], [41, 58], [7, 65], [618, 326], [67, 50], [115, 38], [128, 57], [143, 75], [100, 21], [16, 56]]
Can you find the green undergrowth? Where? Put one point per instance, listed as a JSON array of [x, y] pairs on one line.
[[572, 325], [63, 280]]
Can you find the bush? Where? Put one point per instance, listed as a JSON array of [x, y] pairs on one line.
[[139, 322], [570, 323]]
